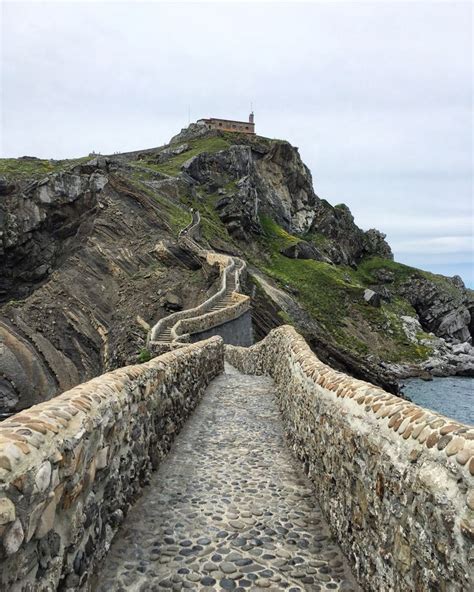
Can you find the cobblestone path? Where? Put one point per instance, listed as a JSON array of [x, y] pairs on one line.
[[228, 509]]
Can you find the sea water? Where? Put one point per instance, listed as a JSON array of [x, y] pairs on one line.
[[453, 397]]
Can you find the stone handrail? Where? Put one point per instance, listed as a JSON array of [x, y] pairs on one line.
[[184, 328], [183, 323], [395, 480], [70, 467]]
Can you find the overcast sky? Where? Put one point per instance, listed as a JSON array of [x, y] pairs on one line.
[[377, 96]]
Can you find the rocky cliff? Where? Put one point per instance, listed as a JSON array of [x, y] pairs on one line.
[[90, 257], [87, 260]]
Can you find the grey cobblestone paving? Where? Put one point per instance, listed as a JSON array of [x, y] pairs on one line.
[[229, 508]]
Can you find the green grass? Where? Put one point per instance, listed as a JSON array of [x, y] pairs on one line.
[[276, 237], [144, 356], [367, 268], [173, 166], [212, 226], [333, 296], [26, 168]]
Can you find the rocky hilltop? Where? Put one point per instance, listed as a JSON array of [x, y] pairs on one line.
[[89, 258]]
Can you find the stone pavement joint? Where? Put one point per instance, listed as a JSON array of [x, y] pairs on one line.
[[228, 509]]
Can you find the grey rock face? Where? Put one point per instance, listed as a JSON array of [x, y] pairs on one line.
[[349, 244], [78, 261], [443, 312], [304, 250], [40, 225], [446, 359], [6, 186], [270, 178], [194, 130], [288, 193]]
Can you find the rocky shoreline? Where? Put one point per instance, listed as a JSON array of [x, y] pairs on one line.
[[447, 358]]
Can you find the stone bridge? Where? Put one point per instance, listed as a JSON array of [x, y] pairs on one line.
[[219, 467]]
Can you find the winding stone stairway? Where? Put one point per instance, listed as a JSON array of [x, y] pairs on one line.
[[228, 509], [226, 304]]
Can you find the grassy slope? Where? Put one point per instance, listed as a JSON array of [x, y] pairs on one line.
[[212, 226], [173, 165], [334, 297], [33, 168]]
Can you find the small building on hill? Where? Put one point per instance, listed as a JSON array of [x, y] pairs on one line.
[[230, 125]]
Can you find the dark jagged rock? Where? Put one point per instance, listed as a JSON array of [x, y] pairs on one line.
[[445, 312], [385, 276], [173, 302], [41, 226], [349, 244], [304, 250], [372, 298], [6, 186]]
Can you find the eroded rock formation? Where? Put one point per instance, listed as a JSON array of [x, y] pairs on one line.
[[79, 264]]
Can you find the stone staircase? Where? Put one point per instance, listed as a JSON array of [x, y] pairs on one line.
[[227, 304]]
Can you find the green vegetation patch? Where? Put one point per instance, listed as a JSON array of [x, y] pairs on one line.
[[277, 238], [144, 356], [333, 296], [177, 216], [35, 167], [173, 165], [367, 268]]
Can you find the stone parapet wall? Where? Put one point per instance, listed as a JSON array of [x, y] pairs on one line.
[[394, 480], [240, 305], [71, 467], [172, 319], [238, 331]]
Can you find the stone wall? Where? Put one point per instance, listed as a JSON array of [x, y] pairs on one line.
[[71, 467], [394, 480], [211, 320], [238, 331]]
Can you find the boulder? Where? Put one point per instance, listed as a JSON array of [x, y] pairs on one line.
[[384, 276], [173, 302], [304, 250], [458, 281], [384, 292], [443, 308], [372, 298], [6, 187]]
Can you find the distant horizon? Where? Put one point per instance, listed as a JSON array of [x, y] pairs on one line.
[[378, 98]]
